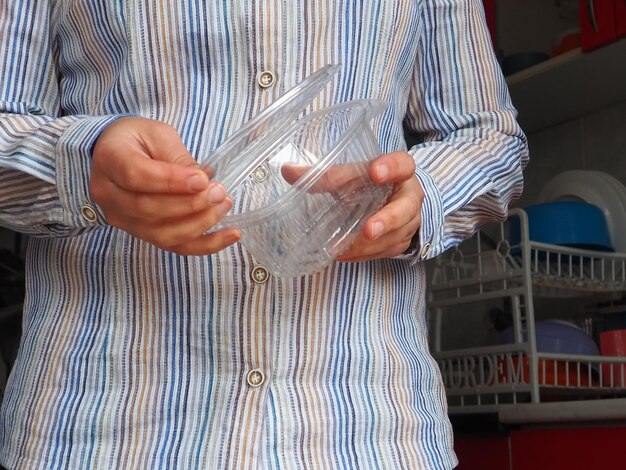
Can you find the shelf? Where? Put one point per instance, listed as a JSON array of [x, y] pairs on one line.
[[613, 409], [485, 379], [569, 86], [501, 262], [554, 271]]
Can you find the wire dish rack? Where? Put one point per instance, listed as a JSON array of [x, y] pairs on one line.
[[494, 265]]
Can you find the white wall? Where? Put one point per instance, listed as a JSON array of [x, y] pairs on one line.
[[593, 142]]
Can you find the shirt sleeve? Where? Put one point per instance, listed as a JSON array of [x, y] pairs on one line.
[[471, 150], [45, 156]]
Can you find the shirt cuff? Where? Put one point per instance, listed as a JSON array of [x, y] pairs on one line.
[[73, 169], [428, 241]]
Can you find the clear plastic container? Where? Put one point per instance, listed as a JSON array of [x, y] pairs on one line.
[[302, 192], [237, 157]]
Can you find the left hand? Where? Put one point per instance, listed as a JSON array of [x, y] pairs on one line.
[[389, 232]]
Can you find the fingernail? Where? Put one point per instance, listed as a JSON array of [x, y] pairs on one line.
[[232, 239], [196, 183], [223, 207], [377, 229], [382, 171], [216, 194]]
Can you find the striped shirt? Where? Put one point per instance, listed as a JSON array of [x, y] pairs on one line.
[[136, 358]]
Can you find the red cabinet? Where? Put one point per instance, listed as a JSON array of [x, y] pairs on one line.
[[620, 17], [488, 452], [601, 22], [490, 15], [581, 448], [568, 449]]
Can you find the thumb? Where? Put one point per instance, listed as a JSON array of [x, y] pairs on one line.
[[166, 146], [163, 143], [394, 167], [145, 155]]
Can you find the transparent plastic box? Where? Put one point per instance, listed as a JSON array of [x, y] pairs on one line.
[[301, 186]]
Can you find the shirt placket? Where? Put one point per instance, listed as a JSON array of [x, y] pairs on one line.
[[265, 32]]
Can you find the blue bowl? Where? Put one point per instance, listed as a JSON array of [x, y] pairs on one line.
[[556, 337], [575, 224]]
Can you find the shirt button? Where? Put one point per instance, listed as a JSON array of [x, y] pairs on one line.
[[425, 250], [89, 213], [255, 378], [260, 173], [259, 274], [266, 79]]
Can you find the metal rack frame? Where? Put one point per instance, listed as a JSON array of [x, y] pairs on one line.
[[502, 262]]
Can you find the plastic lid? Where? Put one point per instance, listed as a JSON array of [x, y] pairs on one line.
[[231, 162], [360, 112]]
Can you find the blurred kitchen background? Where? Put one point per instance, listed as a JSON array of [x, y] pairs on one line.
[[528, 319], [530, 337]]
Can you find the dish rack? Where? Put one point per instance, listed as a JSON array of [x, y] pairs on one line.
[[494, 267]]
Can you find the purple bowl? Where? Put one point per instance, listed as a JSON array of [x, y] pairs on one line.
[[554, 336]]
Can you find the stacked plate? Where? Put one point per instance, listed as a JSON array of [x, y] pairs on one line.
[[597, 188]]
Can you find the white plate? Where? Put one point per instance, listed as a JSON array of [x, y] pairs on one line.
[[593, 188], [616, 185], [620, 190]]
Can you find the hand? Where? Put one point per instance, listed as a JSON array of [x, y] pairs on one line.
[[340, 180], [148, 184], [389, 232]]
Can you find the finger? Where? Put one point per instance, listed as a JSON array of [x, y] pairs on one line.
[[207, 244], [165, 233], [396, 236], [390, 252], [165, 205], [392, 168], [163, 143], [336, 178], [397, 213], [145, 155], [393, 245], [137, 173], [292, 173]]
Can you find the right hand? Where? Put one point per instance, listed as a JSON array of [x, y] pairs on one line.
[[147, 184]]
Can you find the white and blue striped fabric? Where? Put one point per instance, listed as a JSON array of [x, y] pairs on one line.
[[135, 358]]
